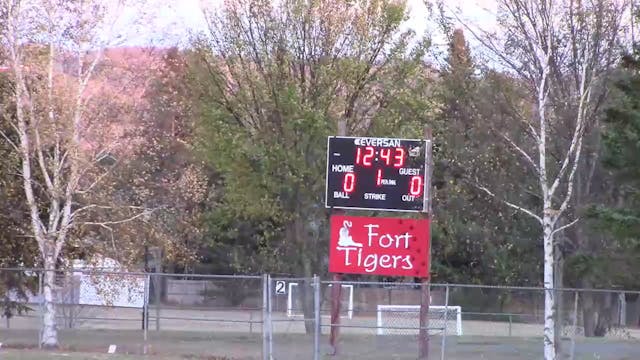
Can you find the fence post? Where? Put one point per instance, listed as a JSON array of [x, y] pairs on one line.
[[336, 301], [423, 336], [446, 322], [622, 303], [510, 323], [70, 304], [270, 314], [145, 308], [158, 294], [316, 312], [265, 314], [41, 303], [575, 326]]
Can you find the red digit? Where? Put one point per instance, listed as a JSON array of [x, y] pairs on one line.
[[366, 159], [379, 177], [358, 155], [349, 183], [399, 157], [415, 188], [386, 155]]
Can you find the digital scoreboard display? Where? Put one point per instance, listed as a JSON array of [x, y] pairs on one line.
[[376, 173]]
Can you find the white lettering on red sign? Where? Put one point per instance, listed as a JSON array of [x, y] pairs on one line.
[[372, 261], [382, 247]]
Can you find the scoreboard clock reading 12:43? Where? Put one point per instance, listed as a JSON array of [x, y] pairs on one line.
[[376, 173]]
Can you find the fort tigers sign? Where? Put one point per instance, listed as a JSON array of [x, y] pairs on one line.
[[379, 246]]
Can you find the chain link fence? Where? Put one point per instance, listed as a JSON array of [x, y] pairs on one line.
[[263, 317], [142, 313]]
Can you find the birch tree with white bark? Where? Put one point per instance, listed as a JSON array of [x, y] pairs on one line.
[[561, 51], [54, 47]]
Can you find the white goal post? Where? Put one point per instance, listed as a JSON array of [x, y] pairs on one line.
[[290, 300], [405, 319]]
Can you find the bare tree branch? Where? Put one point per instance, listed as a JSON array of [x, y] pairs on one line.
[[563, 227], [572, 152], [9, 141], [76, 212], [41, 161], [521, 151], [570, 182], [510, 204], [146, 212]]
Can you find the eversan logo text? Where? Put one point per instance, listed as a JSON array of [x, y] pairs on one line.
[[380, 142]]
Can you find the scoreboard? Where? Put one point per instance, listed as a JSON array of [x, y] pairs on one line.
[[376, 173]]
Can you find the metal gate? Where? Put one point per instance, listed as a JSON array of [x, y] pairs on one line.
[[292, 320]]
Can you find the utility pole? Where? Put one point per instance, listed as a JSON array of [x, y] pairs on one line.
[[425, 288]]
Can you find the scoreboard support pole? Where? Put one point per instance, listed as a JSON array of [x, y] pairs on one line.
[[336, 295], [425, 288], [336, 288]]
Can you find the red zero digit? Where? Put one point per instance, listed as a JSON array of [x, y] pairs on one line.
[[415, 188], [349, 183]]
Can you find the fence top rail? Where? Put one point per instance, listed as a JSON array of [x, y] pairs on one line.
[[394, 285], [499, 314], [389, 285], [110, 271], [293, 280]]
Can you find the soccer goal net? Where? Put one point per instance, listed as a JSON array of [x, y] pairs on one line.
[[294, 300], [405, 320]]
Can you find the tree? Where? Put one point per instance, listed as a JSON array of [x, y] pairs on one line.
[[275, 79], [17, 251], [53, 50], [475, 241], [155, 167], [559, 51], [617, 255]]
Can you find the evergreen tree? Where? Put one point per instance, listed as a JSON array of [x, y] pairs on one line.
[[621, 139], [475, 239]]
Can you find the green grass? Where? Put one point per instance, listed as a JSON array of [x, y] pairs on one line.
[[93, 344], [181, 345], [11, 354], [65, 355]]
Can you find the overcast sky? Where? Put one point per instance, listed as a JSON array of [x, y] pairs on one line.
[[172, 21]]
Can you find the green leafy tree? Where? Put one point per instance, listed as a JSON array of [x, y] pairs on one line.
[[614, 262], [558, 52], [274, 80], [622, 146], [476, 239], [17, 249]]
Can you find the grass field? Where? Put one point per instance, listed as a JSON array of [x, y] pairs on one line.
[[249, 322], [218, 334], [62, 355], [169, 345]]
